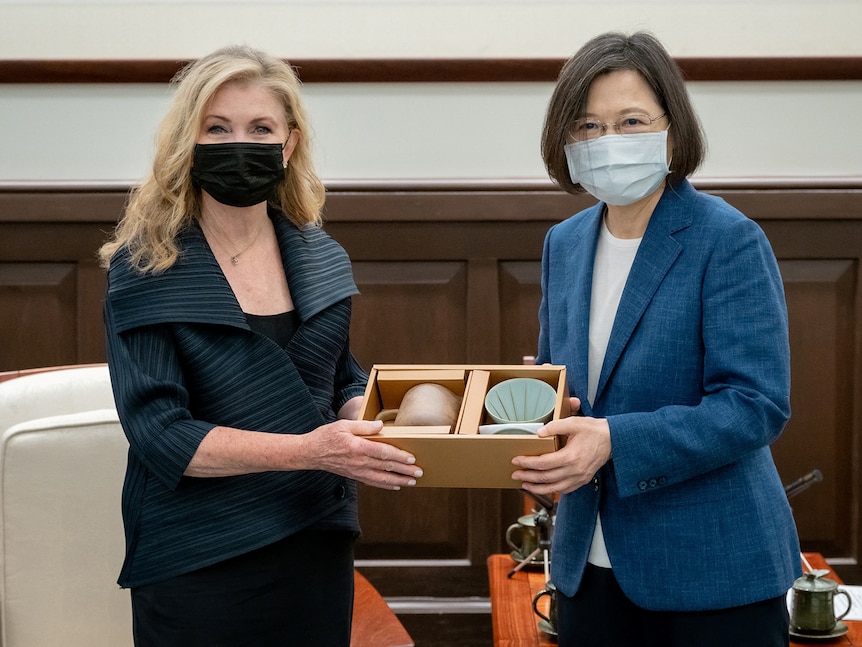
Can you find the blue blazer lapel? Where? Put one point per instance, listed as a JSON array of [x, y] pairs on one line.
[[657, 253], [580, 252]]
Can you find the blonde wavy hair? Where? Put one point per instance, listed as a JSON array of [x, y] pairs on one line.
[[166, 201]]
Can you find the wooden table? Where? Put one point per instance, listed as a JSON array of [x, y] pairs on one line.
[[512, 617], [515, 624]]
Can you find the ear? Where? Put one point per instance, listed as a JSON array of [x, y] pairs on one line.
[[290, 145]]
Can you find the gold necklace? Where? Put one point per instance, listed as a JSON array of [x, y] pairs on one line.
[[234, 258]]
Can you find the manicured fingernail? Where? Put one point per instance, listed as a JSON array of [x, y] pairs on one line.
[[418, 473], [411, 482]]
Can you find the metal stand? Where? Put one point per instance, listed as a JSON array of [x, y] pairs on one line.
[[545, 524]]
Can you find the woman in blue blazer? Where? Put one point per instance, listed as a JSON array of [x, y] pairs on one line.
[[227, 319], [667, 308]]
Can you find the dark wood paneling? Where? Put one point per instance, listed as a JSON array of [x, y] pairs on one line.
[[434, 70], [39, 314], [67, 203], [449, 273], [410, 312], [394, 528], [520, 295], [820, 299], [90, 297]]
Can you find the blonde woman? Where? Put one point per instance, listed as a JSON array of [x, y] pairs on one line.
[[227, 318]]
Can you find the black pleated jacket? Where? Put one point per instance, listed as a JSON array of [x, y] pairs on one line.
[[183, 360]]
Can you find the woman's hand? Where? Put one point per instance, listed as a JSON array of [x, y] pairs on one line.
[[587, 447], [337, 447], [340, 448]]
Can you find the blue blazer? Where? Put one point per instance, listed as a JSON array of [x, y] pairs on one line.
[[183, 359], [695, 387]]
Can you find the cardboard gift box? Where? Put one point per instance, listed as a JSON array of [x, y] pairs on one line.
[[459, 456]]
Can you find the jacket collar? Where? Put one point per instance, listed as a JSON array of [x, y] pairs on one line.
[[194, 289]]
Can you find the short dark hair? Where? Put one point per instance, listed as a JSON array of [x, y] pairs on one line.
[[643, 53]]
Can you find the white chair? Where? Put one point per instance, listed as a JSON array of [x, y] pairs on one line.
[[61, 532], [53, 392]]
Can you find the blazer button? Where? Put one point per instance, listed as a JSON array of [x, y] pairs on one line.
[[653, 483], [642, 485], [596, 484], [340, 492]]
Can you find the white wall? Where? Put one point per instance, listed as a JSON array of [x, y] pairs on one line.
[[429, 131], [421, 28], [425, 131]]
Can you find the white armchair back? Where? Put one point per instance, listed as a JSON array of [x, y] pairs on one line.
[[54, 393], [62, 461]]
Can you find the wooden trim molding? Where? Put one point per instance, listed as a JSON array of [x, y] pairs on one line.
[[851, 183], [476, 201], [433, 70]]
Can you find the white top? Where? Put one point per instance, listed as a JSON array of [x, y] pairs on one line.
[[614, 258]]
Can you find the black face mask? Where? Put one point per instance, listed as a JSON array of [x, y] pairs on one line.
[[238, 174]]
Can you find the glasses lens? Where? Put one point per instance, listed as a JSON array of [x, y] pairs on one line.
[[586, 129], [633, 124]]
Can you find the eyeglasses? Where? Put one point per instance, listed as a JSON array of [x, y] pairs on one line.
[[629, 125]]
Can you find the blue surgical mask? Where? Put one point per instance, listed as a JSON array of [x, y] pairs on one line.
[[619, 169]]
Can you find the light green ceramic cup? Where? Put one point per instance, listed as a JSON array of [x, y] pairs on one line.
[[521, 399]]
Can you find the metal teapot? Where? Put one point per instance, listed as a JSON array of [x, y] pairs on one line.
[[812, 609]]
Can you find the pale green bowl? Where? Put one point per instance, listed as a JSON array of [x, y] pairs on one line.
[[521, 399]]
